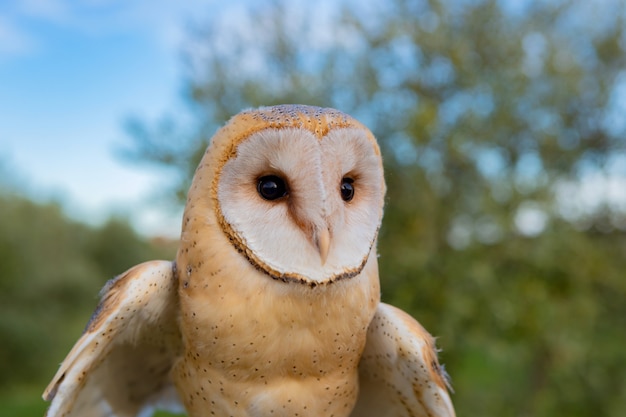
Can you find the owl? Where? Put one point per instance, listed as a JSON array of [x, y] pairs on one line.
[[272, 306]]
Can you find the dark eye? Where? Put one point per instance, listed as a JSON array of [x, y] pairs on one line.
[[347, 189], [271, 187]]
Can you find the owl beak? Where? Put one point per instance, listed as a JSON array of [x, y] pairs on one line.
[[323, 243]]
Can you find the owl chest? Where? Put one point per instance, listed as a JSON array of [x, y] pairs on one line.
[[266, 353]]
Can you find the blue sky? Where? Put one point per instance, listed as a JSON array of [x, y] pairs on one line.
[[71, 73]]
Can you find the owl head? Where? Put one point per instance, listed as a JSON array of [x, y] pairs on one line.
[[298, 191]]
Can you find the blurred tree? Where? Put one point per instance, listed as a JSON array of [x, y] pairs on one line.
[[490, 114], [41, 281], [105, 246], [51, 269]]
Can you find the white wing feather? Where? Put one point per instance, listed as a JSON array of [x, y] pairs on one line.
[[120, 365], [399, 375]]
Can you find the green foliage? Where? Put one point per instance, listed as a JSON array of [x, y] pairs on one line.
[[51, 270], [486, 111]]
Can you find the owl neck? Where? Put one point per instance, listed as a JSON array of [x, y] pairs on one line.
[[248, 333]]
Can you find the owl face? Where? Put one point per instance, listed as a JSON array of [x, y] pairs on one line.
[[299, 192]]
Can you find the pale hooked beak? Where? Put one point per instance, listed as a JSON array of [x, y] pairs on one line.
[[323, 243]]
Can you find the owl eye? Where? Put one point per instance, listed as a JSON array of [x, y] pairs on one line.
[[347, 189], [271, 187]]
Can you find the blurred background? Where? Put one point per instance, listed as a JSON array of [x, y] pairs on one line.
[[502, 125]]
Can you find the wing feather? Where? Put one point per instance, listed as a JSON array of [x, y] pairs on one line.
[[399, 374], [121, 363]]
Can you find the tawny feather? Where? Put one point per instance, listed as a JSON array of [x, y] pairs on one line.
[[121, 363]]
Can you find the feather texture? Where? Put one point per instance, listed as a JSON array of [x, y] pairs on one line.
[[399, 373], [121, 363]]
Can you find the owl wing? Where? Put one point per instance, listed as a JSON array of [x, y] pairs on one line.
[[120, 365], [399, 374]]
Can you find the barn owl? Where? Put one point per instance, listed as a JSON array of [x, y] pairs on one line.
[[272, 306]]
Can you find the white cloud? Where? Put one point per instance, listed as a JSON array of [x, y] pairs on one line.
[[14, 41], [49, 10], [162, 21]]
